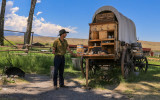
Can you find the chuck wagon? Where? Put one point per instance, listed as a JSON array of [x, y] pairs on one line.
[[113, 42]]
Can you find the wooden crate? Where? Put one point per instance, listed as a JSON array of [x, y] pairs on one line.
[[96, 27], [93, 28], [102, 34], [111, 26], [94, 35], [99, 27]]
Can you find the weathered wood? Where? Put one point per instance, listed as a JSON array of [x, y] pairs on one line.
[[87, 71], [40, 52], [14, 50], [96, 56], [107, 36], [2, 22], [94, 35], [15, 31], [105, 17], [83, 66], [29, 23], [102, 34], [95, 40], [107, 43], [10, 42], [91, 24], [123, 61], [39, 47]]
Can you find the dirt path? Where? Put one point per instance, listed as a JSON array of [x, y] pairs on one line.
[[41, 88]]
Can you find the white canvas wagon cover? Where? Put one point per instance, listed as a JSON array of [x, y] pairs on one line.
[[126, 29]]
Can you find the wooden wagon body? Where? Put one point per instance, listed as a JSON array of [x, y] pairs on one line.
[[113, 41]]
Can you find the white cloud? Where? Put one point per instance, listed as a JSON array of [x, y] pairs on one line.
[[48, 29], [15, 9], [9, 6], [42, 19], [40, 26], [15, 22], [38, 13], [38, 1]]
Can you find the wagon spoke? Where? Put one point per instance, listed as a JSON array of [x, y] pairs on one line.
[[141, 64]]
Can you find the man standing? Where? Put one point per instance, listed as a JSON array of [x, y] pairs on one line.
[[60, 46]]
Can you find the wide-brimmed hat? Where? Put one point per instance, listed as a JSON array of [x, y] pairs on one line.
[[62, 31]]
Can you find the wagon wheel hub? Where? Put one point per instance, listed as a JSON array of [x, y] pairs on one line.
[[141, 64]]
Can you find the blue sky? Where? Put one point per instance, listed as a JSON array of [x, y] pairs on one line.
[[75, 15]]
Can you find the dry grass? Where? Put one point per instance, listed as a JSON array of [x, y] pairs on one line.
[[49, 40], [155, 46], [140, 90]]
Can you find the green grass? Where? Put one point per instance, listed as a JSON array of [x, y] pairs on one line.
[[74, 73], [5, 48], [31, 63], [152, 74], [40, 64]]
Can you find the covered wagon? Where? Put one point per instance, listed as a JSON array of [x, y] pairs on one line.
[[113, 42]]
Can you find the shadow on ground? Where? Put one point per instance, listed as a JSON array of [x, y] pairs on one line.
[[74, 92]]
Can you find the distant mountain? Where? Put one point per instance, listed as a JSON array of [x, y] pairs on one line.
[[16, 34]]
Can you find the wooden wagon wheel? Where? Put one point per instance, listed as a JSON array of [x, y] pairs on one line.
[[92, 68], [141, 64], [126, 63]]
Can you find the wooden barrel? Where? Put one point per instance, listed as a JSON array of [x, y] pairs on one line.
[[138, 53], [80, 49], [94, 35]]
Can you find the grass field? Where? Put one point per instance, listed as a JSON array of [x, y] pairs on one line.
[[45, 40], [155, 46]]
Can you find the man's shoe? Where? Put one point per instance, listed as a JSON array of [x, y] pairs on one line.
[[55, 88], [63, 86]]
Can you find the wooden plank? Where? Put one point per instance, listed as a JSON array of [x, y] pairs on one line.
[[107, 43], [40, 52], [39, 47], [94, 40], [93, 46], [87, 71], [19, 53], [108, 39], [103, 23], [97, 56], [15, 50], [16, 31]]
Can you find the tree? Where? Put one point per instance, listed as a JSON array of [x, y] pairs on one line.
[[29, 22], [2, 22]]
